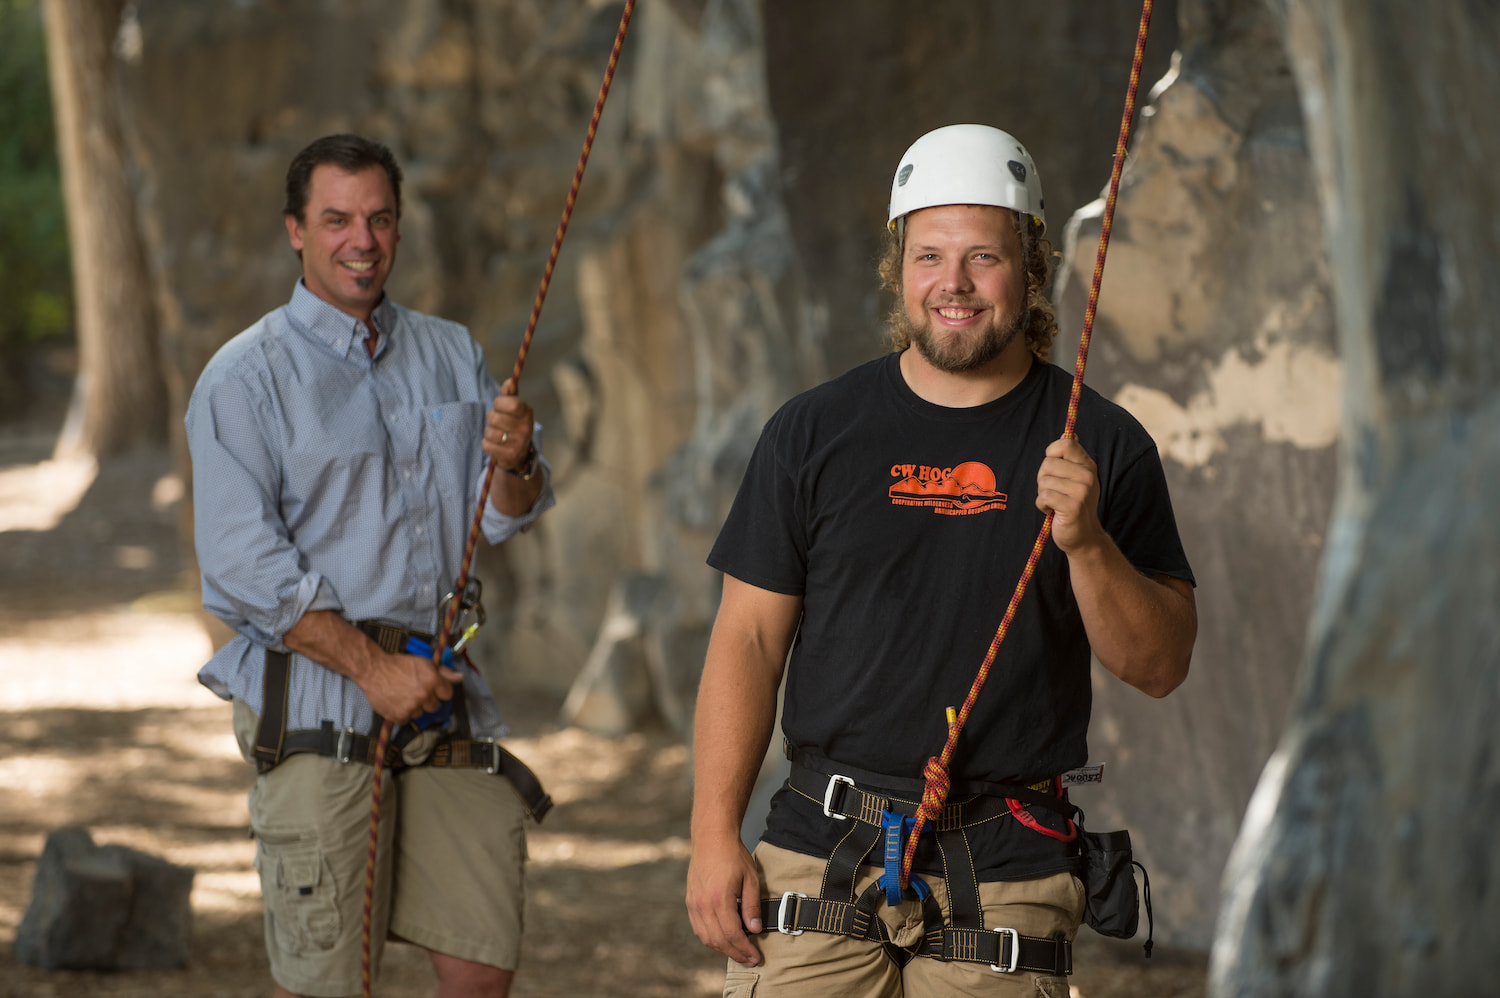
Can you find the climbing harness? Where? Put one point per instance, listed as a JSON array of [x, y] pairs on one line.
[[876, 817], [450, 618], [885, 816]]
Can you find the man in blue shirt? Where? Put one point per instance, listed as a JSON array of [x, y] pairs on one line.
[[339, 445]]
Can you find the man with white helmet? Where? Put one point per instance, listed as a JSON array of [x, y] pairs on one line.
[[880, 529]]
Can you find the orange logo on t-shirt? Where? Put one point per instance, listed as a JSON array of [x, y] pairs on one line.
[[958, 491]]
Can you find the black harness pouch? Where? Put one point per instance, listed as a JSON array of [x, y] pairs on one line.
[[1111, 901]]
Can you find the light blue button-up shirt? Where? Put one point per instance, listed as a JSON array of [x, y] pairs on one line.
[[324, 479]]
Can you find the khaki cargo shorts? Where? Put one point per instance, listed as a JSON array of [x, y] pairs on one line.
[[820, 965], [449, 873]]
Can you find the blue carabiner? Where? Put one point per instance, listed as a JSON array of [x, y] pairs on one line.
[[895, 827], [444, 712]]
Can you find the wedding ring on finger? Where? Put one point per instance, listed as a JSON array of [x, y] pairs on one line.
[[504, 436]]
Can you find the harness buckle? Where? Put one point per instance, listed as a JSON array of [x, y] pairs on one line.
[[344, 751], [783, 924], [493, 766], [1015, 951], [828, 797]]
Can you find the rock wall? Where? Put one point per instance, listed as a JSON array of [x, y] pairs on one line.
[[722, 259], [1368, 863]]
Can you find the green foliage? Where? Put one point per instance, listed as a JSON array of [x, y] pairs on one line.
[[35, 283]]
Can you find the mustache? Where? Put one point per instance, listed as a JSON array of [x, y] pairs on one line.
[[957, 301]]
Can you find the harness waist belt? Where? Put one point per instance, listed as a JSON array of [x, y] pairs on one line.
[[390, 637], [1042, 793], [273, 742], [841, 797]]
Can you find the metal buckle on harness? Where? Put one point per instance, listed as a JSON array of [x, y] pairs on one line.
[[1015, 952], [782, 923], [493, 765], [828, 797], [344, 751]]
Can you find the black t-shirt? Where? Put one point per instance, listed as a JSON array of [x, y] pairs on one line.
[[904, 526]]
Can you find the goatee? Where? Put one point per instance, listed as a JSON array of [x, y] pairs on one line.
[[963, 351]]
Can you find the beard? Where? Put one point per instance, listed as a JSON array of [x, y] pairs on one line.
[[965, 351]]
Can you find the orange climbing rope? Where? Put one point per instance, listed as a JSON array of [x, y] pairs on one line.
[[935, 773], [440, 642]]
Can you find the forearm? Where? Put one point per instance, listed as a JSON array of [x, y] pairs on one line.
[[334, 643], [398, 686], [736, 711], [1141, 629]]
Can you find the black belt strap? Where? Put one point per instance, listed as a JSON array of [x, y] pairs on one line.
[[850, 800], [270, 734], [1034, 793], [1035, 955]]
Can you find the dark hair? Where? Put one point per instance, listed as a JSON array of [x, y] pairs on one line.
[[1036, 254], [350, 153]]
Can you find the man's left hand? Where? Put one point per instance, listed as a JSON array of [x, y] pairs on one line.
[[1068, 486], [507, 429]]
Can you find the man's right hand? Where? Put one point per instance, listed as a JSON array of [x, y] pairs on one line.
[[401, 687], [723, 897]]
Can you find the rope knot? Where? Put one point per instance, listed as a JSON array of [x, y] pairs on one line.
[[935, 792]]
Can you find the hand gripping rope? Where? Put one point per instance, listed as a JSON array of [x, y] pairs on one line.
[[440, 641], [935, 773]]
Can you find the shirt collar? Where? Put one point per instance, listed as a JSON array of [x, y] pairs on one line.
[[338, 330]]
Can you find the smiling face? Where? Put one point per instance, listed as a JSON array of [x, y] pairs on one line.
[[963, 285], [347, 237]]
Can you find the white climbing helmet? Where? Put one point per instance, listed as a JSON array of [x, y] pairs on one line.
[[966, 164]]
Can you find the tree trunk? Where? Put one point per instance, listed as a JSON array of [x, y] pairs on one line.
[[120, 398], [1368, 862]]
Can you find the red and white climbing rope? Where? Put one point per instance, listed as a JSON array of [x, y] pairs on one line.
[[935, 773], [440, 642]]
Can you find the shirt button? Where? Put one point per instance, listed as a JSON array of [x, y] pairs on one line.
[[406, 474], [419, 531]]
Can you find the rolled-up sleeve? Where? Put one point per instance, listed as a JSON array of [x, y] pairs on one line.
[[254, 577]]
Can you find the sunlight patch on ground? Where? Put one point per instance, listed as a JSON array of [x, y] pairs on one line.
[[192, 742], [588, 852], [229, 892], [40, 776], [111, 660], [38, 496]]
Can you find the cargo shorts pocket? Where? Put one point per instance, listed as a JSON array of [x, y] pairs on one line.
[[1052, 987], [739, 982], [300, 894]]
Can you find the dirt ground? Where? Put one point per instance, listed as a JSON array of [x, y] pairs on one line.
[[103, 725]]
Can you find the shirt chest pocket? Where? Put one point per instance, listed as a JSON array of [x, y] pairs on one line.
[[452, 435]]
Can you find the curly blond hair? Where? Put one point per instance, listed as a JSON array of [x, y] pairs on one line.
[[1036, 254]]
